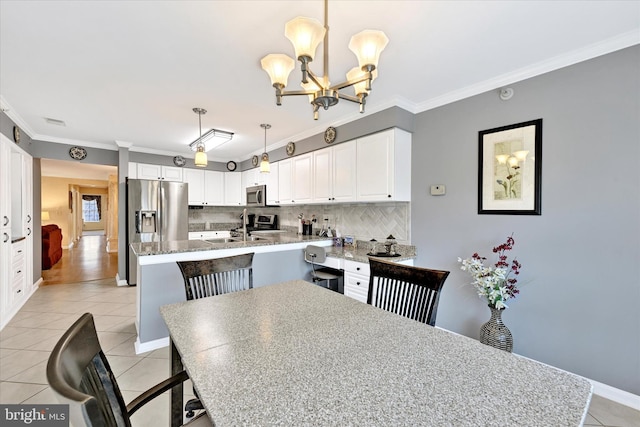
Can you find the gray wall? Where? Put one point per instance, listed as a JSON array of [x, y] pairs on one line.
[[579, 307]]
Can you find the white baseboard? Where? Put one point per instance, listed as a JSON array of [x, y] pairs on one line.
[[619, 396], [150, 345], [121, 282]]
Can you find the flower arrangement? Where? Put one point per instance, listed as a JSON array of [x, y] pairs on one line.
[[496, 283]]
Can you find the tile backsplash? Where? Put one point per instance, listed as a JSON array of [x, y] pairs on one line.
[[363, 221]]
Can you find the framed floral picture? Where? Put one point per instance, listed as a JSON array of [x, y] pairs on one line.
[[509, 169]]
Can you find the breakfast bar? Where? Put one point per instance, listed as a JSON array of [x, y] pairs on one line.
[[297, 354]]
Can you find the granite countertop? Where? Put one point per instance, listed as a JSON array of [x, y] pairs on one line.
[[310, 356], [181, 246], [360, 252]]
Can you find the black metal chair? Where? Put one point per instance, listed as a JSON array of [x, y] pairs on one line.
[[211, 277], [409, 291], [317, 255], [80, 376]]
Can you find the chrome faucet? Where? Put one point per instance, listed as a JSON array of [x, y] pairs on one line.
[[244, 225]]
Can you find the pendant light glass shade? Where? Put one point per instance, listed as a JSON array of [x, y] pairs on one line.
[[305, 34], [201, 157], [278, 66], [264, 163], [367, 45], [356, 74]]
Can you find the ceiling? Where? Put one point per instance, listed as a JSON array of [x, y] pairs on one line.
[[129, 73]]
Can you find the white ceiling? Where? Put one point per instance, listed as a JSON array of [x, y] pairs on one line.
[[130, 72]]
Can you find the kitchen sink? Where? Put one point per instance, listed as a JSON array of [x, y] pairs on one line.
[[222, 240], [236, 239]]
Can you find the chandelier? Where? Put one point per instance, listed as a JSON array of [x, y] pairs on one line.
[[306, 34]]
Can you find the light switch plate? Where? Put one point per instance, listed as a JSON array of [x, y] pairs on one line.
[[438, 190]]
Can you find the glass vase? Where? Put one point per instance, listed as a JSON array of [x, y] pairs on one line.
[[495, 333]]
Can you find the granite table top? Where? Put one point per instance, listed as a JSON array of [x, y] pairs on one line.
[[297, 354]]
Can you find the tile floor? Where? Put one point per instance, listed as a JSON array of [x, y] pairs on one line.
[[26, 341]]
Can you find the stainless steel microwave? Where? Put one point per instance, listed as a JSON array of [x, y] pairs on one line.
[[257, 195]]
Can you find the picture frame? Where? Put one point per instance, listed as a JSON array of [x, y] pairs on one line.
[[509, 169]]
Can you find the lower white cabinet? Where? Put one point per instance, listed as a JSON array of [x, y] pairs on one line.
[[204, 235], [356, 280], [18, 282]]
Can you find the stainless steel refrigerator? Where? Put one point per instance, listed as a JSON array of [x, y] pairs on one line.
[[156, 211]]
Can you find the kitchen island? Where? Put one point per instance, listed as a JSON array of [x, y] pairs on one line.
[[279, 257]]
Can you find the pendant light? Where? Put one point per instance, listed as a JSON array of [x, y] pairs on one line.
[[264, 164], [201, 156]]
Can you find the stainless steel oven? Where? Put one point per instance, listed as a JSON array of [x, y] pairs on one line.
[[257, 195]]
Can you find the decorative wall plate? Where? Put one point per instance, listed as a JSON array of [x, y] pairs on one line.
[[330, 135], [254, 161], [291, 148], [179, 161], [16, 134], [231, 165], [77, 153]]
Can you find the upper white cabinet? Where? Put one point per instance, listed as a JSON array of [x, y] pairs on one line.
[[384, 166], [213, 188], [334, 173], [295, 180], [271, 180], [167, 173], [132, 172], [233, 188], [195, 185], [285, 172]]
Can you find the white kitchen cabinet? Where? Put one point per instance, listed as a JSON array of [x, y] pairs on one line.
[[356, 280], [334, 173], [285, 176], [271, 180], [195, 185], [232, 188], [205, 188], [132, 170], [295, 180], [204, 235], [302, 179], [16, 229], [384, 166], [166, 173], [214, 188]]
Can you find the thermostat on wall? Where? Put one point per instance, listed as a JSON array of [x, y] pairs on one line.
[[437, 190]]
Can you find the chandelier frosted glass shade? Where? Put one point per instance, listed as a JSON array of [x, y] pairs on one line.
[[305, 34], [367, 45], [278, 66], [357, 74]]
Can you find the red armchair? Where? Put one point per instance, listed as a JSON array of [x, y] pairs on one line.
[[51, 245]]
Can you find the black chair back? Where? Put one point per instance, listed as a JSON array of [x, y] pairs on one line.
[[219, 276], [409, 291], [80, 376]]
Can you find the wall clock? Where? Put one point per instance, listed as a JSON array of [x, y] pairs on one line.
[[291, 148], [231, 165], [16, 134], [179, 161], [77, 153], [254, 161], [330, 135]]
